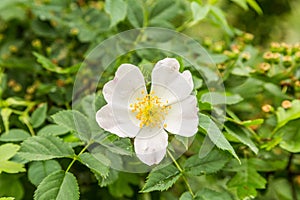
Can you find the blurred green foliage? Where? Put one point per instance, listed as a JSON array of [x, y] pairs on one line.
[[43, 153]]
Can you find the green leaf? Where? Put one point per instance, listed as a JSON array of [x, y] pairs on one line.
[[122, 186], [221, 19], [163, 12], [59, 185], [161, 179], [117, 10], [199, 11], [197, 82], [268, 165], [94, 163], [211, 163], [252, 122], [290, 136], [279, 188], [105, 181], [186, 196], [275, 90], [215, 135], [284, 116], [39, 115], [10, 10], [241, 135], [74, 120], [253, 4], [88, 106], [47, 64], [216, 98], [10, 185], [241, 3], [183, 140], [44, 148], [208, 194], [11, 167], [7, 198], [53, 129], [7, 151], [14, 135], [37, 171], [135, 13], [246, 181], [122, 146]]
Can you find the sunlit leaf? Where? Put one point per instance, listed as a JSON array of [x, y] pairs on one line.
[[117, 10]]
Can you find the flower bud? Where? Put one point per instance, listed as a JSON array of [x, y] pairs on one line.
[[286, 49], [207, 42], [296, 47], [287, 61], [11, 83], [297, 86], [218, 47], [48, 50], [275, 47], [286, 104], [268, 56], [36, 43], [267, 108], [13, 48], [248, 37], [245, 56], [297, 57], [264, 66], [230, 54], [74, 31], [17, 87], [276, 58]]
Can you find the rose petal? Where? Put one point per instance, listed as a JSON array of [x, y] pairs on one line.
[[127, 81], [151, 150], [127, 84], [168, 83], [107, 120], [182, 119]]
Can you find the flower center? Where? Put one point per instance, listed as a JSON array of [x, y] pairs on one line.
[[150, 110]]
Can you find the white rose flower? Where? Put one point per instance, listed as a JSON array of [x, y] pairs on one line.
[[133, 112]]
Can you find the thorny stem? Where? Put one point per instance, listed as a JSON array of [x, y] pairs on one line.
[[75, 157], [182, 172]]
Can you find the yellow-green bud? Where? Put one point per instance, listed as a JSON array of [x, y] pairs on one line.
[[275, 47], [287, 61], [264, 66], [248, 37], [13, 48], [207, 41], [246, 56], [36, 43]]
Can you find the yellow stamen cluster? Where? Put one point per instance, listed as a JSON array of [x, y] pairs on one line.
[[150, 110]]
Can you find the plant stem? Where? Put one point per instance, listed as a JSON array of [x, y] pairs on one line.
[[290, 177], [76, 156], [182, 172]]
